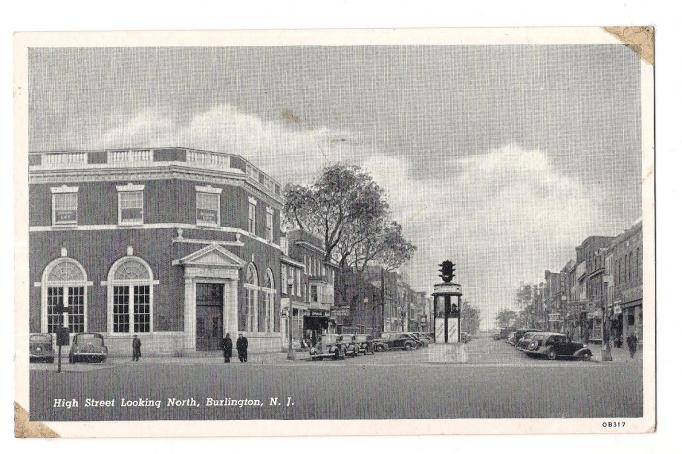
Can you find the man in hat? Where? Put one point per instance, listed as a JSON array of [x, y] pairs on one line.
[[227, 348], [242, 348]]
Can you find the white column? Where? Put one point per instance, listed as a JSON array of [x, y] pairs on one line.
[[233, 306], [190, 314]]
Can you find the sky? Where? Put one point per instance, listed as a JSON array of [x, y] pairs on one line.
[[500, 158]]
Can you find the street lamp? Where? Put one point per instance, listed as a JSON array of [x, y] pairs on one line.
[[290, 352]]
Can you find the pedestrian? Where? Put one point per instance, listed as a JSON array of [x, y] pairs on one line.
[[137, 348], [227, 348], [632, 344], [242, 348]]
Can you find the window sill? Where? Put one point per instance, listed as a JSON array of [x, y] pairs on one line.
[[65, 226], [130, 224]]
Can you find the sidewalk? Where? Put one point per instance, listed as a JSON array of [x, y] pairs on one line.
[[619, 355]]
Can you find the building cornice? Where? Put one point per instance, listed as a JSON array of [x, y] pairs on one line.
[[151, 171], [185, 227]]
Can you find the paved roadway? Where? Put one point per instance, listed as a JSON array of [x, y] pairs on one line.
[[496, 382]]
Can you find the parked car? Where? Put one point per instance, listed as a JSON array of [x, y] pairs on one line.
[[518, 334], [328, 346], [88, 346], [349, 344], [556, 345], [399, 341], [503, 334], [525, 339], [380, 344], [364, 344], [419, 343], [40, 348], [510, 338], [425, 338]]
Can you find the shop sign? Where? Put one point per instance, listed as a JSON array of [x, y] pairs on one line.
[[341, 311], [316, 313], [617, 309], [555, 317]]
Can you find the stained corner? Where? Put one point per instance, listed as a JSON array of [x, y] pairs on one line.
[[25, 428], [640, 39]]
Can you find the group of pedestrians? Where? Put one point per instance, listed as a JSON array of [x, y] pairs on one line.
[[242, 348]]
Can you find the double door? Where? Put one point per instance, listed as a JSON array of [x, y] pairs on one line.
[[209, 305]]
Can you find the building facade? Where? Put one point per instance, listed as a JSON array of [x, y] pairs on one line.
[[175, 245], [626, 279], [316, 283]]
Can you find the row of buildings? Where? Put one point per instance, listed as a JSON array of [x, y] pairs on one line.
[[180, 246], [599, 289]]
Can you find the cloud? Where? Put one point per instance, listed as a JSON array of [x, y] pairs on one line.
[[268, 144], [503, 216]]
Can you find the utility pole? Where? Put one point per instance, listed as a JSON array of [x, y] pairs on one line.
[[290, 351]]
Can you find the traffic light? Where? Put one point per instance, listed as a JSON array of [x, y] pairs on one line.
[[447, 269]]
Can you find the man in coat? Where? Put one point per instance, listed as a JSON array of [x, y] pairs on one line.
[[137, 348], [227, 347], [632, 344], [242, 348]]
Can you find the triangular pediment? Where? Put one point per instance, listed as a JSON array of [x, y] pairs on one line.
[[212, 255]]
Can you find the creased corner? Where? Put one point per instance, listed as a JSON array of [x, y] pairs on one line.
[[24, 428], [639, 39]]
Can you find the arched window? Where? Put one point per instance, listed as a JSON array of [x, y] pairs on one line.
[[64, 282], [269, 293], [130, 296], [251, 285]]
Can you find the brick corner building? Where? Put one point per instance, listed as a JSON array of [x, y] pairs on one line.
[[173, 244]]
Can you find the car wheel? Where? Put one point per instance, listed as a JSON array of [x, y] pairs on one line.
[[551, 354], [586, 356]]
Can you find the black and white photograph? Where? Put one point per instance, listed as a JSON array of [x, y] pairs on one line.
[[358, 232]]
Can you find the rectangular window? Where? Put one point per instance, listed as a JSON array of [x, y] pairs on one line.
[[131, 207], [121, 309], [252, 218], [290, 278], [65, 208], [268, 227], [298, 282], [283, 277], [252, 301], [208, 209], [313, 293], [141, 309], [75, 308], [55, 295]]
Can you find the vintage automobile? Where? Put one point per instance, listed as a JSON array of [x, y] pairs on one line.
[[525, 339], [364, 344], [380, 344], [89, 347], [503, 334], [399, 341], [40, 348], [518, 334], [425, 338], [556, 345], [511, 338], [349, 344], [328, 346]]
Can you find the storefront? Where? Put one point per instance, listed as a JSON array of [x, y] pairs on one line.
[[315, 324]]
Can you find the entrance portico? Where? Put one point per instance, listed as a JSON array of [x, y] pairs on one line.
[[216, 271]]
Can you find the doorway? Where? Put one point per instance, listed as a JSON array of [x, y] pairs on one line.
[[209, 328]]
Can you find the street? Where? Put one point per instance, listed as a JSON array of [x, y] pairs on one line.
[[496, 382]]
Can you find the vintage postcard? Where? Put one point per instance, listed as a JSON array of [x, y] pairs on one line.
[[329, 232]]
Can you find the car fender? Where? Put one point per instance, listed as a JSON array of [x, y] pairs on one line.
[[582, 352]]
